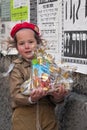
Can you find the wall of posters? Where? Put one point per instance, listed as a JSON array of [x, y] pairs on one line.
[[64, 24], [75, 33]]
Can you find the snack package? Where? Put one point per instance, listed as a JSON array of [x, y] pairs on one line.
[[47, 74]]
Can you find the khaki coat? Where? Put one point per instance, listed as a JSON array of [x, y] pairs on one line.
[[26, 116]]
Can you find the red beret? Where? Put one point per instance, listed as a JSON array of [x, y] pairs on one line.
[[20, 26]]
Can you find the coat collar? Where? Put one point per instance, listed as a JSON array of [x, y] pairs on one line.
[[22, 61]]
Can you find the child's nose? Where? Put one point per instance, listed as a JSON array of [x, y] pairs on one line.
[[27, 45]]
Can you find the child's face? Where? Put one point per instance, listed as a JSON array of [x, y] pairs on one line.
[[26, 43]]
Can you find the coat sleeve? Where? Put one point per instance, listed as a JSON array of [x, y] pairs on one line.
[[16, 79]]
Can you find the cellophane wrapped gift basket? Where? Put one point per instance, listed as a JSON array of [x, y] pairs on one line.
[[47, 74]]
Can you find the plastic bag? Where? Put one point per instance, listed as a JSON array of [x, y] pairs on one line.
[[47, 74]]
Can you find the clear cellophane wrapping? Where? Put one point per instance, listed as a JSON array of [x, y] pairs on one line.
[[46, 74]]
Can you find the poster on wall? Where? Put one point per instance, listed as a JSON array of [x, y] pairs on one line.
[[19, 10], [5, 28], [48, 21], [0, 9], [33, 11], [75, 33], [5, 10]]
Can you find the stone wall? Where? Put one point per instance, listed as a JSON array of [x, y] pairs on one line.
[[5, 106], [72, 113]]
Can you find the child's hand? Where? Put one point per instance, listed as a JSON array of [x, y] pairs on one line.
[[36, 94], [59, 94]]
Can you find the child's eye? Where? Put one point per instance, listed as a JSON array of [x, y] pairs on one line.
[[21, 43], [30, 41]]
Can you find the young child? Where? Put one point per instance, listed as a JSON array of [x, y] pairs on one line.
[[36, 111]]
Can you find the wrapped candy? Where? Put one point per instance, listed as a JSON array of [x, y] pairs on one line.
[[47, 74], [41, 73]]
